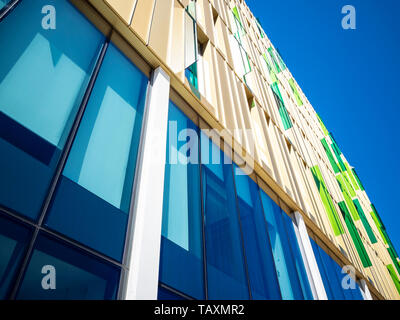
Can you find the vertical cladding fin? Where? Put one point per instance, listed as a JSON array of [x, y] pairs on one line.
[[327, 201], [362, 252]]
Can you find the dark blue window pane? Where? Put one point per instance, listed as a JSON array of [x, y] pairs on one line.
[[43, 75], [165, 294], [225, 264], [324, 275], [14, 239], [357, 293], [92, 199], [348, 294], [284, 262], [181, 265], [77, 275], [263, 279], [332, 275], [298, 259]]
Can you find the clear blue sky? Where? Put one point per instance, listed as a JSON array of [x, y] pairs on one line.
[[351, 79]]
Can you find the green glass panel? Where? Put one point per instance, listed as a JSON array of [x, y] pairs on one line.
[[364, 221], [282, 63], [295, 92], [330, 156], [358, 179], [287, 123], [339, 158], [327, 202], [366, 262]]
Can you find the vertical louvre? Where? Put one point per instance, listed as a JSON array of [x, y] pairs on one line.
[[366, 262], [327, 201]]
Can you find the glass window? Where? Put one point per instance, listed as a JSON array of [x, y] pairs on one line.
[[165, 294], [332, 275], [181, 264], [93, 196], [298, 259], [225, 264], [262, 274], [43, 76], [3, 3], [58, 272], [322, 271], [14, 239], [286, 269]]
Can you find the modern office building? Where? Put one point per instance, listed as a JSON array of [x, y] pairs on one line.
[[161, 149]]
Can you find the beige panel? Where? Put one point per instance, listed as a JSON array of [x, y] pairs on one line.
[[177, 56], [161, 28], [142, 18], [124, 8]]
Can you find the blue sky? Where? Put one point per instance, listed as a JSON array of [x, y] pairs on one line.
[[351, 79]]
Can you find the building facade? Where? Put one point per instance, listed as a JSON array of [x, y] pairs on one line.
[[161, 149]]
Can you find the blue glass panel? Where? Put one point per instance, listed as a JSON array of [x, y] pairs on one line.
[[301, 270], [3, 3], [357, 293], [322, 271], [93, 198], [43, 75], [348, 294], [225, 263], [182, 240], [77, 276], [284, 262], [14, 239], [332, 275], [165, 294], [262, 274]]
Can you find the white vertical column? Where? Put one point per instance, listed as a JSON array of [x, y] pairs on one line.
[[313, 274], [142, 252], [365, 291]]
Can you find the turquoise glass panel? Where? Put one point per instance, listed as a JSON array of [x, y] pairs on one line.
[[93, 197], [43, 76], [284, 262], [182, 226], [260, 262]]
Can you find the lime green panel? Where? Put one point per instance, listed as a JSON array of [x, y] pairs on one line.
[[271, 71], [351, 206], [395, 279], [322, 125], [352, 179], [330, 156], [295, 92], [392, 254], [366, 262], [364, 221], [236, 14], [327, 201]]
